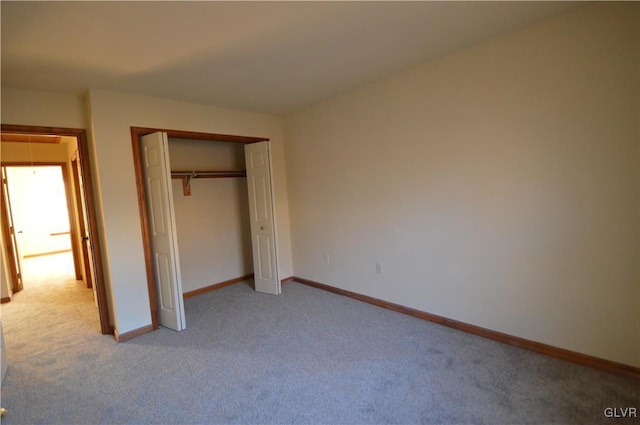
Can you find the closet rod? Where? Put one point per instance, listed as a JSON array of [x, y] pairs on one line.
[[187, 176], [196, 174]]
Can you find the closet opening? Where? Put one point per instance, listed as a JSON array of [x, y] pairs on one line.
[[209, 188], [197, 188]]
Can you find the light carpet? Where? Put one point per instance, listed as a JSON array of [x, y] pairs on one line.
[[304, 357]]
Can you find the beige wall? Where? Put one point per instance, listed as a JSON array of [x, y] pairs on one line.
[[112, 115], [498, 186], [28, 107], [214, 234]]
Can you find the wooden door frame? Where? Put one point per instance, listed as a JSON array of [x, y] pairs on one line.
[[85, 165], [10, 244], [136, 134], [73, 231], [82, 224]]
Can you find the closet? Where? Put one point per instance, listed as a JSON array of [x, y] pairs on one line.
[[211, 205], [209, 215]]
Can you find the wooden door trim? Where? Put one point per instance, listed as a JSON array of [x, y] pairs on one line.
[[15, 282], [73, 225], [85, 164], [144, 224], [136, 134], [212, 137], [75, 172]]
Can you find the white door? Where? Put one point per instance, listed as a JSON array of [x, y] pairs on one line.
[[263, 240], [162, 224]]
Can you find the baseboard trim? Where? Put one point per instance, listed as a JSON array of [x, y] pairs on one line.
[[4, 300], [548, 350], [132, 334], [287, 280], [44, 254], [216, 286]]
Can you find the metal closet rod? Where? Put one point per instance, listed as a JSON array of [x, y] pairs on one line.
[[196, 174], [187, 176]]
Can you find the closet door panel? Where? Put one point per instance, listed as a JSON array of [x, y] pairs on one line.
[[162, 230], [263, 239]]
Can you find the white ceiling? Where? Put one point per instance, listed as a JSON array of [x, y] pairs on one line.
[[273, 57]]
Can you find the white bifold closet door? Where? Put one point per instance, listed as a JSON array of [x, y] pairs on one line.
[[263, 231], [162, 230]]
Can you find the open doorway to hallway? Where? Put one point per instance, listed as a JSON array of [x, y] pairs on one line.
[[40, 217]]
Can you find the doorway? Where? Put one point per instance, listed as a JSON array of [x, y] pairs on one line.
[[38, 196], [90, 246]]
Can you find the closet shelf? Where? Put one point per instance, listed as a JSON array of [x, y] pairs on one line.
[[187, 175]]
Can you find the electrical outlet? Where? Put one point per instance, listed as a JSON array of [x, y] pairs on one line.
[[327, 259], [379, 268]]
